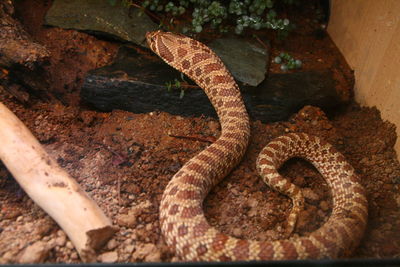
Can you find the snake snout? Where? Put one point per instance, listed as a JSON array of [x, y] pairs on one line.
[[151, 36]]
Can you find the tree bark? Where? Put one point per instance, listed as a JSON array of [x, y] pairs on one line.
[[21, 58]]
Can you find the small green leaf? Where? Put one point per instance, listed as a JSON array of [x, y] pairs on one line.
[[177, 84]]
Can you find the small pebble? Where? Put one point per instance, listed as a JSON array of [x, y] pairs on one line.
[[35, 253], [149, 226], [60, 233], [213, 126], [127, 220], [112, 244], [129, 249], [324, 205], [69, 245], [252, 202], [109, 257], [61, 240], [147, 252], [234, 191], [237, 232], [128, 241]]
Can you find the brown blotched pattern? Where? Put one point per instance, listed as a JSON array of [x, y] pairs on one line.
[[181, 215]]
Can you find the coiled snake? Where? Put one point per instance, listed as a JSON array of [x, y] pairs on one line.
[[181, 215]]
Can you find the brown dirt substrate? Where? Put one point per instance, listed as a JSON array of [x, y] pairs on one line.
[[125, 160]]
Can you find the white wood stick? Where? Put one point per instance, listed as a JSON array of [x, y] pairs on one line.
[[52, 188]]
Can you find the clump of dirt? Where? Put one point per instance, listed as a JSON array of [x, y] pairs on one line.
[[125, 160]]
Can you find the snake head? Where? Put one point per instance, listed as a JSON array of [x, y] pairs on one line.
[[151, 38], [165, 44]]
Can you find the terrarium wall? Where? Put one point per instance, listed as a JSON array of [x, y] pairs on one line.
[[367, 32]]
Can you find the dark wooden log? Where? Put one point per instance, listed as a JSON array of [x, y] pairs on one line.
[[137, 83], [16, 46], [20, 57]]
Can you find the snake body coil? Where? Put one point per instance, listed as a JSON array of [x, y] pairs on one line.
[[181, 215]]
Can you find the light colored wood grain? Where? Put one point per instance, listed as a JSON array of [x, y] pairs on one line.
[[53, 189], [367, 32]]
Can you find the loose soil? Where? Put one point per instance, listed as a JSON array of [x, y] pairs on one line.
[[125, 160]]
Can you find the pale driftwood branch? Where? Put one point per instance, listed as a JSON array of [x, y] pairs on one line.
[[51, 187]]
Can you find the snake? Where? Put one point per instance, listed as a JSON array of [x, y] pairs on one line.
[[182, 220]]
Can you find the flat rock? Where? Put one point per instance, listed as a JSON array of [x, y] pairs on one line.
[[247, 62], [282, 94], [101, 17], [136, 82]]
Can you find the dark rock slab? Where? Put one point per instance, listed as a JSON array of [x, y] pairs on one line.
[[282, 94], [247, 62], [136, 82], [101, 17]]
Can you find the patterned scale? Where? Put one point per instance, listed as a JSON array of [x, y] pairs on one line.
[[182, 220]]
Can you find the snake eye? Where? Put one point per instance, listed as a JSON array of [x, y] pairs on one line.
[[152, 38]]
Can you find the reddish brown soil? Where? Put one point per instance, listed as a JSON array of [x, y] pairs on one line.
[[124, 161]]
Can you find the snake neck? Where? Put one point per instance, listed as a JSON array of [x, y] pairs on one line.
[[227, 151], [204, 67]]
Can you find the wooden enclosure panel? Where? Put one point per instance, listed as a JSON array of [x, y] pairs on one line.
[[367, 32]]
